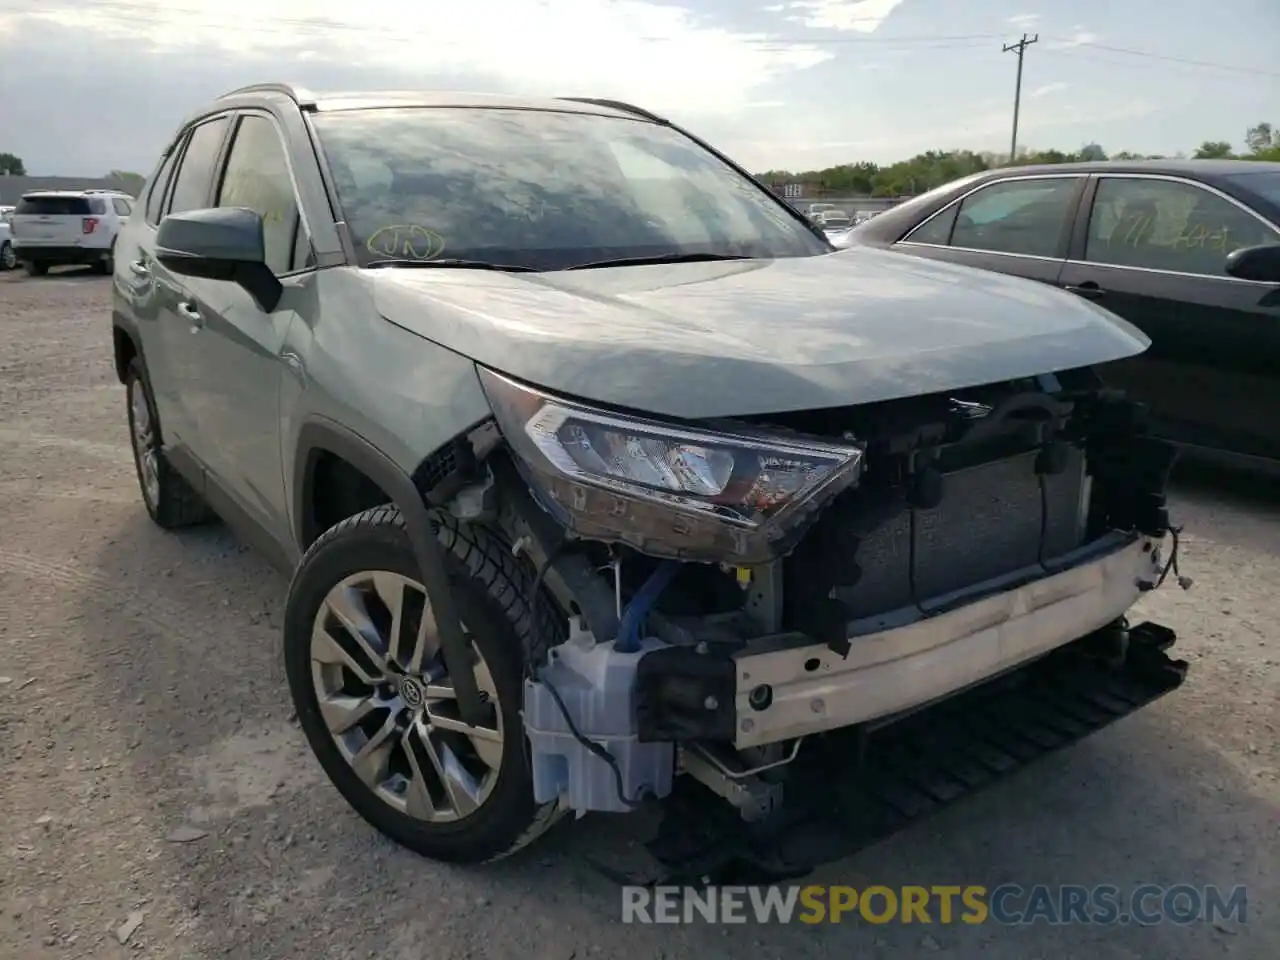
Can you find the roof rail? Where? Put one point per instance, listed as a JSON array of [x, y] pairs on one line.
[[297, 94], [618, 105]]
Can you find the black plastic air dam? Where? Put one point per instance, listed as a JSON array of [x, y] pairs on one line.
[[851, 789]]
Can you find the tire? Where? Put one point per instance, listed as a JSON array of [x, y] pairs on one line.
[[490, 586], [7, 258], [170, 501], [107, 265], [36, 269]]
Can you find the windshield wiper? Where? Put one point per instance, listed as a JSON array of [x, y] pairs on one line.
[[455, 264], [660, 258]]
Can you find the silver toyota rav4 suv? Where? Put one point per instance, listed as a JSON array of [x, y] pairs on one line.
[[602, 481]]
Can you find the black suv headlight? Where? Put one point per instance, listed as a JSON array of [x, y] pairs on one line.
[[669, 489]]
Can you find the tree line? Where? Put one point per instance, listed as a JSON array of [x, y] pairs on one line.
[[936, 167], [11, 165]]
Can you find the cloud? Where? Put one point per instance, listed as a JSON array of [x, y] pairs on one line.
[[1079, 37], [1046, 89], [858, 16], [1024, 19], [659, 55]]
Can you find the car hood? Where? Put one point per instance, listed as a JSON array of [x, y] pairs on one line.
[[734, 338]]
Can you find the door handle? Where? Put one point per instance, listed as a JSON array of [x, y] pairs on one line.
[[1089, 290], [191, 314], [139, 269]]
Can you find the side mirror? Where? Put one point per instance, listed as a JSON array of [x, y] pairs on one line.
[[1255, 263], [220, 243]]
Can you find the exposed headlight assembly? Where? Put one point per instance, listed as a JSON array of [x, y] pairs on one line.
[[738, 497]]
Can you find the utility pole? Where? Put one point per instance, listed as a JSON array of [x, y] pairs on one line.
[[1020, 48]]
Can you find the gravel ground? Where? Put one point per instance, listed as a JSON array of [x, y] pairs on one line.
[[153, 779]]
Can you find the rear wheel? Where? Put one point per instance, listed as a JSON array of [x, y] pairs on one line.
[[169, 499], [377, 705], [107, 265], [36, 269], [8, 260]]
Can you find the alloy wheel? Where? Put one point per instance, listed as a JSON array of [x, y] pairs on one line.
[[388, 702], [145, 444], [8, 259]]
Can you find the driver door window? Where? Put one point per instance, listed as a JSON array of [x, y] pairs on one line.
[[1017, 216], [257, 177], [1168, 225]]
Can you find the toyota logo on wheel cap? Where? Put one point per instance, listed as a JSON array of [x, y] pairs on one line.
[[411, 693]]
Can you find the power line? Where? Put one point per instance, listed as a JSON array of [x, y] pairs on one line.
[[859, 41], [1143, 54], [1021, 49]]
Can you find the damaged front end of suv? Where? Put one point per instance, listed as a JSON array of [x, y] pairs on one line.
[[602, 479], [802, 631]]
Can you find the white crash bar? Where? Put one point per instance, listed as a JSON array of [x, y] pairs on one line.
[[814, 689]]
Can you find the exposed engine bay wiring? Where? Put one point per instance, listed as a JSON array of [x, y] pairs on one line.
[[1170, 565]]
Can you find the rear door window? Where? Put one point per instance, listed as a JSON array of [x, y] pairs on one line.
[[122, 207], [192, 185], [1016, 216], [53, 207], [1168, 225]]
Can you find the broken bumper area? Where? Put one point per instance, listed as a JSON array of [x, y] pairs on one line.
[[797, 690], [853, 787]]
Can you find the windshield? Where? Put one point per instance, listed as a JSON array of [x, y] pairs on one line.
[[542, 189]]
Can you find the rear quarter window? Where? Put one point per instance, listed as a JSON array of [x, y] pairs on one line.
[[55, 207]]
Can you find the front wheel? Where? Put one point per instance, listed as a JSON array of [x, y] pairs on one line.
[[377, 705], [8, 259]]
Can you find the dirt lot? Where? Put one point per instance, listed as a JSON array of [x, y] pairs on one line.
[[142, 704]]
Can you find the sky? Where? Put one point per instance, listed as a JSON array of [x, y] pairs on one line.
[[87, 86]]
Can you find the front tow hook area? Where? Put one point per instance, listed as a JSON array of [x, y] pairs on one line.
[[852, 788]]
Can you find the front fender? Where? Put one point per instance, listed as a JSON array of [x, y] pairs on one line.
[[319, 435], [400, 394]]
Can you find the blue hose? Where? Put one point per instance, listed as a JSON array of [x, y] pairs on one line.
[[638, 606]]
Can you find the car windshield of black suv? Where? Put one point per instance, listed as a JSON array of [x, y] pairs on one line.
[[543, 190]]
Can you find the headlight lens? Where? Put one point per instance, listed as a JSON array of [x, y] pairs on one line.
[[742, 478]]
